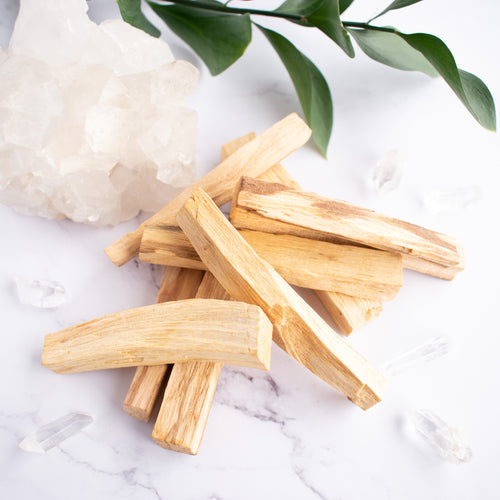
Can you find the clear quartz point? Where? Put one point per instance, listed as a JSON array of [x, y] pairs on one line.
[[447, 200], [447, 441], [40, 293], [386, 175], [50, 435], [432, 349]]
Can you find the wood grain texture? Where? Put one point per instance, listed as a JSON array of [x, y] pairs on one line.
[[318, 265], [336, 219], [349, 313], [142, 396], [298, 329], [252, 159], [189, 393], [185, 330]]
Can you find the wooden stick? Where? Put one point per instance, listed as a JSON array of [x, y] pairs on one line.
[[189, 393], [184, 330], [176, 284], [318, 265], [254, 158], [337, 219], [298, 329], [349, 313]]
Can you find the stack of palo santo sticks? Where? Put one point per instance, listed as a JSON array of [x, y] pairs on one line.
[[226, 288]]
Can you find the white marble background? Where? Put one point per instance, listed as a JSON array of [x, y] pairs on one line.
[[285, 433]]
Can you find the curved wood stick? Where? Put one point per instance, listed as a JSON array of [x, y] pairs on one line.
[[187, 330]]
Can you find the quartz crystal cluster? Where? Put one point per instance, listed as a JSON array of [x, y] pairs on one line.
[[93, 123]]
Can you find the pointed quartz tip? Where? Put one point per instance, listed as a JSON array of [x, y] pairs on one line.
[[449, 442], [386, 175], [52, 434], [430, 350]]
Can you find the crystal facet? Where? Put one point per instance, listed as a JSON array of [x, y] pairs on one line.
[[432, 349], [50, 435], [40, 293], [387, 173], [93, 123], [448, 200], [447, 441]]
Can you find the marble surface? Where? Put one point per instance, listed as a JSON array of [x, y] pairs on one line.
[[285, 433]]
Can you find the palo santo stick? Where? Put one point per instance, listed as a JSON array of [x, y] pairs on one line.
[[350, 313], [176, 284], [298, 329], [184, 330], [318, 265], [231, 147], [253, 158], [248, 219], [338, 219], [189, 393]]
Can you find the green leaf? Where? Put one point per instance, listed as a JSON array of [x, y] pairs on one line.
[[131, 12], [310, 85], [469, 88], [344, 4], [219, 39], [327, 19], [322, 14], [299, 7], [390, 49], [397, 4]]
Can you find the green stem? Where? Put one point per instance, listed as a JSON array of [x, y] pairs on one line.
[[199, 4], [366, 26]]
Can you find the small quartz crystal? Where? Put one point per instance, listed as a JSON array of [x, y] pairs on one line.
[[386, 175], [447, 200], [93, 121], [40, 293], [432, 349], [447, 441], [52, 434]]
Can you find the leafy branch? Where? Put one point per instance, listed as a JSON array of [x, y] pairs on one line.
[[220, 34]]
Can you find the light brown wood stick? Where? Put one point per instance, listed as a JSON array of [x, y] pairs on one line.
[[189, 393], [338, 219], [176, 284], [253, 158], [298, 329], [188, 396], [318, 265], [349, 313], [171, 332]]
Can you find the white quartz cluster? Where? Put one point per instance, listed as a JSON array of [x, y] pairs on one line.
[[93, 123]]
